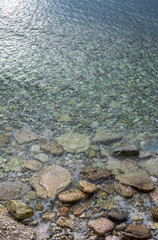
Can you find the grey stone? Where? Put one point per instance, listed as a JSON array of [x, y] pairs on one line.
[[25, 135], [105, 136], [127, 150], [151, 166]]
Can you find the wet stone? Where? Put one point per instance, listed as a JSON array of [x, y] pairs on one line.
[[53, 148], [127, 150], [41, 157], [101, 226], [139, 179], [105, 136], [4, 139], [19, 209], [71, 195], [128, 166], [15, 164], [50, 181], [74, 142], [124, 191], [49, 216], [95, 174], [87, 187], [154, 195], [137, 231], [151, 166], [65, 223], [79, 208], [121, 227], [113, 164], [33, 165], [25, 135], [63, 211], [105, 204], [154, 212], [117, 216], [30, 195]]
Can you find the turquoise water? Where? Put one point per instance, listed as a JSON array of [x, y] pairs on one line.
[[93, 60]]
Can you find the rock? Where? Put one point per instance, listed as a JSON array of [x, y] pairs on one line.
[[124, 191], [111, 237], [79, 208], [49, 216], [25, 135], [139, 179], [154, 195], [13, 190], [65, 118], [127, 150], [128, 166], [15, 164], [65, 223], [151, 166], [105, 204], [121, 227], [33, 165], [30, 195], [19, 209], [137, 231], [101, 226], [117, 216], [10, 229], [71, 195], [108, 188], [39, 207], [154, 212], [113, 164], [105, 136], [42, 230], [4, 139], [74, 142], [87, 187], [50, 181], [95, 174], [3, 210], [63, 211], [53, 148], [41, 157]]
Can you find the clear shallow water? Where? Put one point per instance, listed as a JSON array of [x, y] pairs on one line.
[[93, 60]]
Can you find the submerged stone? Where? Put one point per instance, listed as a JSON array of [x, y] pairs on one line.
[[15, 164], [124, 190], [101, 226], [33, 165], [79, 208], [127, 150], [19, 209], [137, 231], [72, 195], [87, 187], [151, 166], [4, 139], [95, 174], [65, 223], [25, 135], [74, 142], [53, 148], [105, 136], [50, 181]]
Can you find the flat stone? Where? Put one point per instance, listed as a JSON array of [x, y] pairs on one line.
[[4, 139], [30, 195], [95, 174], [71, 195], [87, 187], [154, 212], [49, 216], [13, 190], [15, 164], [117, 216], [19, 209], [79, 208], [25, 135], [50, 181], [101, 226], [53, 148], [128, 166], [105, 136], [139, 179], [137, 231], [151, 166], [65, 223], [10, 229], [154, 195], [33, 165], [113, 164], [127, 150], [74, 142], [41, 157], [124, 190]]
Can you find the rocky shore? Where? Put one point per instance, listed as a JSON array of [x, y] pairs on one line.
[[72, 186]]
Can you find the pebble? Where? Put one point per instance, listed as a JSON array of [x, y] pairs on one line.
[[101, 226]]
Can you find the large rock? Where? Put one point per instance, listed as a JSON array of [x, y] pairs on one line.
[[53, 148], [139, 179], [13, 190], [50, 181], [87, 187], [105, 136], [101, 226], [151, 166], [4, 139], [19, 209], [95, 174], [117, 216], [137, 231], [10, 229], [74, 142], [25, 135]]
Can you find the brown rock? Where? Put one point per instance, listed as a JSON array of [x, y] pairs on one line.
[[63, 211], [139, 179], [87, 187], [101, 226], [154, 195], [128, 150], [53, 148], [117, 216], [49, 216], [65, 223], [50, 181], [124, 191], [137, 231], [25, 135], [121, 227], [109, 188], [79, 208], [154, 212], [95, 174], [128, 166], [10, 229], [72, 195], [33, 165]]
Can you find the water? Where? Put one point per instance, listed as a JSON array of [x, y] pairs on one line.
[[92, 60]]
